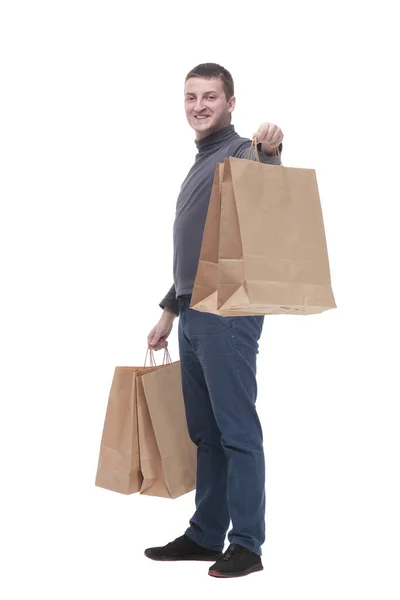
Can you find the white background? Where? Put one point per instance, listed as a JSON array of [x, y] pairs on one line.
[[94, 147]]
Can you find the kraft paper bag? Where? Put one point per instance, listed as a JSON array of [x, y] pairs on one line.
[[118, 466], [168, 457], [147, 450], [264, 248]]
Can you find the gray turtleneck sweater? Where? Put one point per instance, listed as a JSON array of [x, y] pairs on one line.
[[192, 205]]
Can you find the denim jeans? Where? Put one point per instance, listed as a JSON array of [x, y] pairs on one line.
[[218, 365]]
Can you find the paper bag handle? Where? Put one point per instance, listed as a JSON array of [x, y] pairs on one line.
[[275, 151], [166, 361]]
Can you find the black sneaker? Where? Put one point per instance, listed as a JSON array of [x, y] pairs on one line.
[[236, 562], [183, 548]]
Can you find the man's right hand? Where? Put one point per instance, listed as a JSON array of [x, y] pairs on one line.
[[157, 338]]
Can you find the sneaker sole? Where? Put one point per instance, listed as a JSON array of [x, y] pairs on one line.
[[240, 574], [175, 558]]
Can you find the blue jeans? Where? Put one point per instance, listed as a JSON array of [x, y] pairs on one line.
[[218, 365]]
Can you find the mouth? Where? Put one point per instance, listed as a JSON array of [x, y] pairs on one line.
[[202, 118]]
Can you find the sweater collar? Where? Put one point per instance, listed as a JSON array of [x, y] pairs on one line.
[[217, 139]]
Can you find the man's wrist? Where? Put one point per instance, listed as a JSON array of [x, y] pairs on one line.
[[265, 149], [168, 313]]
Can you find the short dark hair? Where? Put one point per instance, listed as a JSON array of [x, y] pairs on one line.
[[214, 71]]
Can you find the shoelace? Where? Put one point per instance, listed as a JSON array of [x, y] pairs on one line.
[[230, 552], [172, 543]]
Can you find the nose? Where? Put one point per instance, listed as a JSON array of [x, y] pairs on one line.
[[199, 106]]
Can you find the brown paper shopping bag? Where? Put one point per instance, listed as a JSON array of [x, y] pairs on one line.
[[118, 466], [119, 462], [168, 457], [264, 247], [147, 450]]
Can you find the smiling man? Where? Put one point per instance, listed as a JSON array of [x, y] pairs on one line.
[[217, 354]]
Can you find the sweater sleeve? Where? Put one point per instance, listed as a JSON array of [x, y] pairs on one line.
[[243, 152], [170, 301]]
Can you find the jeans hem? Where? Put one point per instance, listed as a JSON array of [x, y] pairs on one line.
[[241, 542], [190, 535]]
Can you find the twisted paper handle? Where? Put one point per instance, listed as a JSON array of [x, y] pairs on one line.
[[166, 361], [275, 151]]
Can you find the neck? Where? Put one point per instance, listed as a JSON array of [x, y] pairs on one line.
[[201, 135], [216, 139]]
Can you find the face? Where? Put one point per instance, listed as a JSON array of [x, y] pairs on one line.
[[207, 109]]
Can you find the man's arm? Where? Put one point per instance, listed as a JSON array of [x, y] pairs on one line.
[[265, 149], [268, 137], [244, 152], [267, 156], [170, 302]]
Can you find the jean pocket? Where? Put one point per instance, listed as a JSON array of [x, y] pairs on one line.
[[225, 323]]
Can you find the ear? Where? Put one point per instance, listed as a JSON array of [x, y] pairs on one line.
[[232, 104]]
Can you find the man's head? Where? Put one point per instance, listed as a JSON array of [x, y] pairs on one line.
[[209, 93]]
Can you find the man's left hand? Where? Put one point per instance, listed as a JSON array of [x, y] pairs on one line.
[[269, 135]]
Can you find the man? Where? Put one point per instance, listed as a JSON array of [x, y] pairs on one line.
[[217, 354]]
